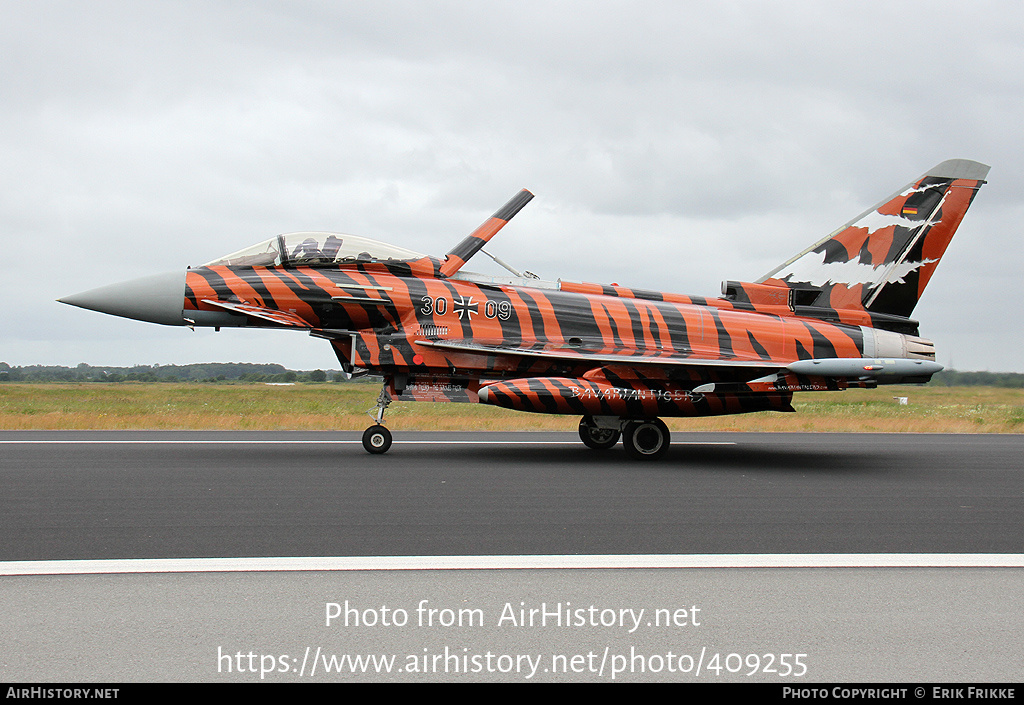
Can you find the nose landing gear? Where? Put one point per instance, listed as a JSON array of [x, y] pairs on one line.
[[377, 438]]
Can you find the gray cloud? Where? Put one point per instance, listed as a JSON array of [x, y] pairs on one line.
[[670, 145]]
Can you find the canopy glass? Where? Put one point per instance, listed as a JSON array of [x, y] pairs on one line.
[[314, 250]]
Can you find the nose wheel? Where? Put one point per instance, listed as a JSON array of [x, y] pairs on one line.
[[377, 439]]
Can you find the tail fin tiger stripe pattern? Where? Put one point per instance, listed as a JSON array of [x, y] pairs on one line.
[[882, 260]]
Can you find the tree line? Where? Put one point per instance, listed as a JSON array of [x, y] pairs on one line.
[[957, 378], [202, 372], [274, 373]]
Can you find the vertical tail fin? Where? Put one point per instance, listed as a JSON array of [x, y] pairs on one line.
[[882, 260]]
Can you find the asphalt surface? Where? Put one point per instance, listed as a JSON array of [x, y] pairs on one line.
[[305, 494]]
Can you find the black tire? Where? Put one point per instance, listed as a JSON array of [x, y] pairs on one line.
[[597, 438], [377, 439], [646, 440]]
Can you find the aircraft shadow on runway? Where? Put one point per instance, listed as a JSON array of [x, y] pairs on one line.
[[681, 456]]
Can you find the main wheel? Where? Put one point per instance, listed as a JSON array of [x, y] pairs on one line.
[[646, 440], [595, 437], [377, 439]]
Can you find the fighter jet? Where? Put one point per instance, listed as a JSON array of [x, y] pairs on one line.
[[834, 316]]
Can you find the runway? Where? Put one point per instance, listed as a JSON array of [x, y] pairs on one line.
[[541, 504], [187, 495]]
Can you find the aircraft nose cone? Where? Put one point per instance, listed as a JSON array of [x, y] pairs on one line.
[[159, 298]]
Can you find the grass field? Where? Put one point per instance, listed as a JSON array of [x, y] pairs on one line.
[[343, 407]]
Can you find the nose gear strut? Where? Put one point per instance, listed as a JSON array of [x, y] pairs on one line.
[[377, 438]]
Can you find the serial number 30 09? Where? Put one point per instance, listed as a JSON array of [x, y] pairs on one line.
[[466, 307]]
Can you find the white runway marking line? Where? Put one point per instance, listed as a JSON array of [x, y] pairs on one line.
[[334, 442], [575, 562]]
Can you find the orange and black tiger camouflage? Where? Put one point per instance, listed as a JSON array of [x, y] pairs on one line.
[[835, 315]]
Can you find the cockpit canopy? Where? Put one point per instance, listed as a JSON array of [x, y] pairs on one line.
[[314, 250]]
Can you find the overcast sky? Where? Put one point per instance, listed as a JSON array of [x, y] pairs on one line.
[[670, 146]]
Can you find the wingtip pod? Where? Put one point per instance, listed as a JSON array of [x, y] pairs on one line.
[[461, 253], [881, 261]]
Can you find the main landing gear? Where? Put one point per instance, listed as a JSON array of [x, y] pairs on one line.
[[596, 437], [377, 438], [645, 439]]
